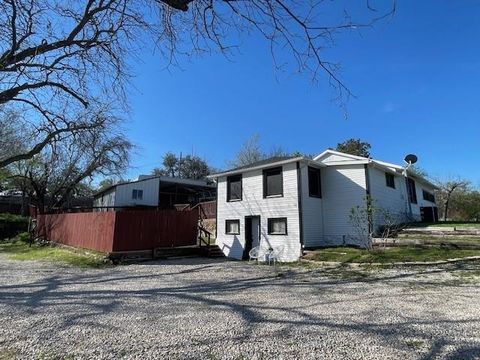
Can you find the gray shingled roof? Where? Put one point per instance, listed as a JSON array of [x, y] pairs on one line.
[[271, 160]]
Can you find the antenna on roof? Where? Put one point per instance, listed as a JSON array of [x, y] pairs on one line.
[[410, 159]]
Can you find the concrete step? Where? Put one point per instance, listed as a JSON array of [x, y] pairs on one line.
[[441, 231], [212, 251]]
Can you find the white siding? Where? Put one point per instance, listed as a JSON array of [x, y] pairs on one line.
[[150, 189], [419, 187], [335, 158], [395, 201], [253, 203], [344, 187], [391, 204], [105, 199], [312, 212]]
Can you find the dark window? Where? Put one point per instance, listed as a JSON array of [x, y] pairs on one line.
[[390, 180], [272, 182], [314, 182], [277, 226], [234, 188], [137, 194], [428, 196], [232, 227], [412, 192]]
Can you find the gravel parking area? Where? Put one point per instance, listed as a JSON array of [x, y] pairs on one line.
[[210, 309]]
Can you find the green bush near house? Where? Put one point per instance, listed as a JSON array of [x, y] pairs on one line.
[[13, 218], [11, 225]]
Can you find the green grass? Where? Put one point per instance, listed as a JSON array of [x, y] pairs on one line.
[[19, 249], [459, 224], [389, 255]]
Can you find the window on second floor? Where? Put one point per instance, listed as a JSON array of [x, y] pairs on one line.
[[314, 182], [428, 196], [137, 194], [390, 180], [412, 192], [234, 188], [272, 182]]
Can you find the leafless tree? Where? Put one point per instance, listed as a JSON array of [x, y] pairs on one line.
[[61, 59], [447, 189], [60, 170], [251, 152]]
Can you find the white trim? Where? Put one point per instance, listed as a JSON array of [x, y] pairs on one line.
[[383, 163], [352, 162], [334, 152], [376, 163]]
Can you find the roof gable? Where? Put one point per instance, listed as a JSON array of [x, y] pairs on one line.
[[333, 156]]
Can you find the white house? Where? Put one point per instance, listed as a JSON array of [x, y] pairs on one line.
[[291, 203], [154, 191]]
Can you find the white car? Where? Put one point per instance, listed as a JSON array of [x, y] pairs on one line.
[[13, 192]]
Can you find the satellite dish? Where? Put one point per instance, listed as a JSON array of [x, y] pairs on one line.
[[411, 159]]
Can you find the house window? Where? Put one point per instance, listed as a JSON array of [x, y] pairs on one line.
[[390, 180], [234, 188], [314, 182], [232, 227], [272, 182], [277, 226], [412, 192], [137, 194], [428, 196]]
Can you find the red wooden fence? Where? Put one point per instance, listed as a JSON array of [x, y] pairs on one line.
[[209, 209], [121, 231], [85, 230], [153, 229]]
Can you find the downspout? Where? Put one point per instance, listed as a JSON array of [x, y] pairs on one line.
[[407, 187], [216, 208], [368, 200], [299, 197]]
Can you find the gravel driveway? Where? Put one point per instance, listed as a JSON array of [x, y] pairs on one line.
[[208, 309]]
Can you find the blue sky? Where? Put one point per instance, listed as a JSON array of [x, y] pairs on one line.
[[416, 78]]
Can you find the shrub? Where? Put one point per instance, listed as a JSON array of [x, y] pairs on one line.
[[11, 225]]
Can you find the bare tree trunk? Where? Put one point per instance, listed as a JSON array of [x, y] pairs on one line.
[[445, 208]]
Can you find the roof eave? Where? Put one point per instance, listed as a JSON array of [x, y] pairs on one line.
[[259, 167], [330, 151]]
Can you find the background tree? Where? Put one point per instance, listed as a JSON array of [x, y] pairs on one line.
[[105, 183], [193, 167], [467, 205], [417, 170], [251, 152], [63, 169], [5, 176], [354, 147], [170, 165], [64, 63], [188, 167], [447, 191]]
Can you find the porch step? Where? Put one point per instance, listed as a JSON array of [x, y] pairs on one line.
[[212, 251], [175, 252]]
